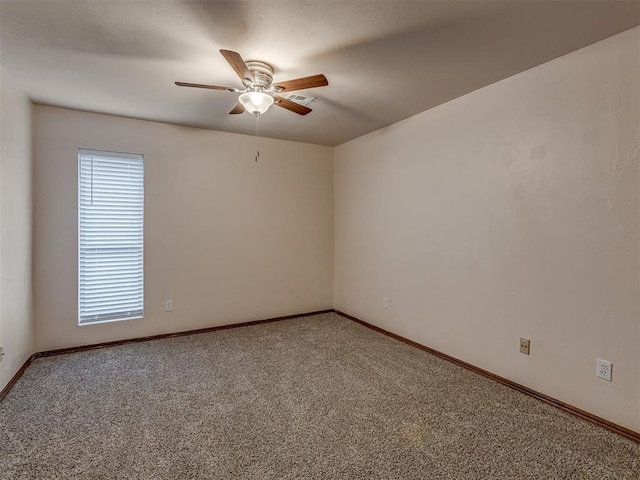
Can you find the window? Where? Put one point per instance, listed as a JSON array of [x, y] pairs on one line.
[[110, 236]]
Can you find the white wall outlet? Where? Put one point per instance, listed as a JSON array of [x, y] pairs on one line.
[[604, 369], [168, 305], [1, 352], [385, 303], [525, 346]]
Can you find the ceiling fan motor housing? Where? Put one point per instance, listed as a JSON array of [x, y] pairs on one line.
[[262, 74]]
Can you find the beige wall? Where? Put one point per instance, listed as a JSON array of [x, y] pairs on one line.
[[510, 212], [228, 239], [16, 329]]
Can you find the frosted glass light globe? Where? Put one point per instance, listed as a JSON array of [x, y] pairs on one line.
[[256, 102]]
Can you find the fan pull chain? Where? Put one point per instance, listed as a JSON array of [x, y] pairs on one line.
[[257, 137]]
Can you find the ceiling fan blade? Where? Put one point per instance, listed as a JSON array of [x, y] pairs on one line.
[[237, 109], [289, 105], [238, 65], [211, 87], [301, 83]]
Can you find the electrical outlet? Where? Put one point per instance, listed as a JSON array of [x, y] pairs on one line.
[[168, 305], [385, 303], [604, 369], [1, 352], [525, 345]]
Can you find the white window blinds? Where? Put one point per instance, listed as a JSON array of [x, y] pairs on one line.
[[110, 245]]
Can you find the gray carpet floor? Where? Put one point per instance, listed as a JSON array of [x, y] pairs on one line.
[[311, 398]]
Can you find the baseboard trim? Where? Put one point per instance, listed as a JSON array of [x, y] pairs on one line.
[[81, 348], [619, 429], [15, 378]]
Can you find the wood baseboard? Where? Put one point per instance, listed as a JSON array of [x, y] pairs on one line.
[[15, 378], [61, 351], [590, 417], [81, 348], [619, 429]]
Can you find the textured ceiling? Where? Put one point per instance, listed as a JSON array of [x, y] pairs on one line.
[[385, 60]]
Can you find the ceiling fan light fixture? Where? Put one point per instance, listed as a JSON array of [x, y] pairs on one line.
[[256, 102]]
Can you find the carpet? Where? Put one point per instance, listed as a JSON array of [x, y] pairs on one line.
[[318, 397]]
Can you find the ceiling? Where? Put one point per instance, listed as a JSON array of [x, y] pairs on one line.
[[385, 60]]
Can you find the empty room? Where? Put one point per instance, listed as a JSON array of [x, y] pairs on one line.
[[318, 239]]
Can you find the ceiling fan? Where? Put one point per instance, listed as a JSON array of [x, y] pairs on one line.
[[259, 91]]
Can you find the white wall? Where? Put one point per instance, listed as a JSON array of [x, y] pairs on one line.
[[15, 228], [228, 239], [510, 212]]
